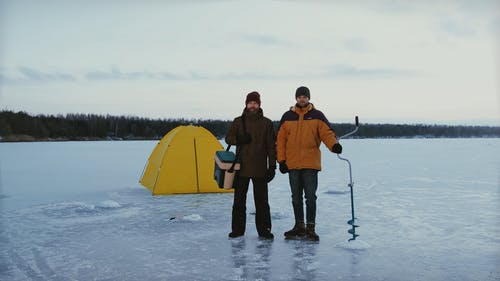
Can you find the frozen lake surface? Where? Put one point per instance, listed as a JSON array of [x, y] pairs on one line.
[[428, 209]]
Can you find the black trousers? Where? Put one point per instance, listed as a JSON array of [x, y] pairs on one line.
[[260, 197]]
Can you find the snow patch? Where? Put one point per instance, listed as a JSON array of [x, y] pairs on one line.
[[278, 215], [192, 217], [68, 208], [78, 209], [109, 204]]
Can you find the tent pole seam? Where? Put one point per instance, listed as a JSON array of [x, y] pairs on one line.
[[196, 166]]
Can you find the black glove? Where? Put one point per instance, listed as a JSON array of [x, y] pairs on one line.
[[283, 167], [271, 172], [243, 139], [337, 148]]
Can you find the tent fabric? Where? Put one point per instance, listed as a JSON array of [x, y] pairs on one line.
[[183, 162]]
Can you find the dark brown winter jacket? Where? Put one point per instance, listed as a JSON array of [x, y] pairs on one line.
[[256, 156]]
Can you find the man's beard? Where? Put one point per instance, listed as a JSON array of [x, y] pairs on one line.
[[302, 105]]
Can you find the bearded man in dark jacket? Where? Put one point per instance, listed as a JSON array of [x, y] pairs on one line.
[[254, 137]]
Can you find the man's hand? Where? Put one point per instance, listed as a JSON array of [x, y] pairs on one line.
[[337, 148], [283, 167], [271, 172]]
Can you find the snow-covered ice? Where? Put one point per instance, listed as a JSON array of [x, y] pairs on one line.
[[428, 209]]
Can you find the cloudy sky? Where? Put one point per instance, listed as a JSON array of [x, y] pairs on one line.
[[386, 61]]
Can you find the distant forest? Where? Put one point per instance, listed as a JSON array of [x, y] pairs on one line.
[[21, 126]]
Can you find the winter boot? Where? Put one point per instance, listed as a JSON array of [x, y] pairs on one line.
[[266, 234], [235, 234], [311, 233], [298, 230]]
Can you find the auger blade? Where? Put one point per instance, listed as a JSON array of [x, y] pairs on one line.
[[353, 237], [351, 222], [352, 231]]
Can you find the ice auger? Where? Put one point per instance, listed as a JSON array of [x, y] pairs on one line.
[[352, 221]]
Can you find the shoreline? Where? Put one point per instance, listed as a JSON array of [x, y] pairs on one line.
[[27, 138]]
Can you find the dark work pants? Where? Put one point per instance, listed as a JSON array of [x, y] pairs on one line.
[[262, 212], [305, 182]]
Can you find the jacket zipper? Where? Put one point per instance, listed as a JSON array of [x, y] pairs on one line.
[[299, 134]]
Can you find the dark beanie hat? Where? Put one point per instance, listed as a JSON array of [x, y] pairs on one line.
[[253, 96], [302, 91]]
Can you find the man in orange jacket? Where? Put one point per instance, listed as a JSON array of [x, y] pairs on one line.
[[301, 131]]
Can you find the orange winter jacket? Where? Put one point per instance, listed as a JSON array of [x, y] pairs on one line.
[[300, 134]]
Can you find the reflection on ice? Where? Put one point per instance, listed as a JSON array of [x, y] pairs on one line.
[[250, 263], [305, 264], [357, 244]]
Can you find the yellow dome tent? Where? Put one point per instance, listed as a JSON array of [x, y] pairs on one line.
[[183, 162]]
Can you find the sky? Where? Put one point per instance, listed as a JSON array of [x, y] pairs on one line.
[[435, 62]]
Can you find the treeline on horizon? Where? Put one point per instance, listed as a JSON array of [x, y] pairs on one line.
[[21, 126]]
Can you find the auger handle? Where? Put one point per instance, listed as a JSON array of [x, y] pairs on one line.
[[352, 132]]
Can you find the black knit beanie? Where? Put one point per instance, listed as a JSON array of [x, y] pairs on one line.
[[302, 91]]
